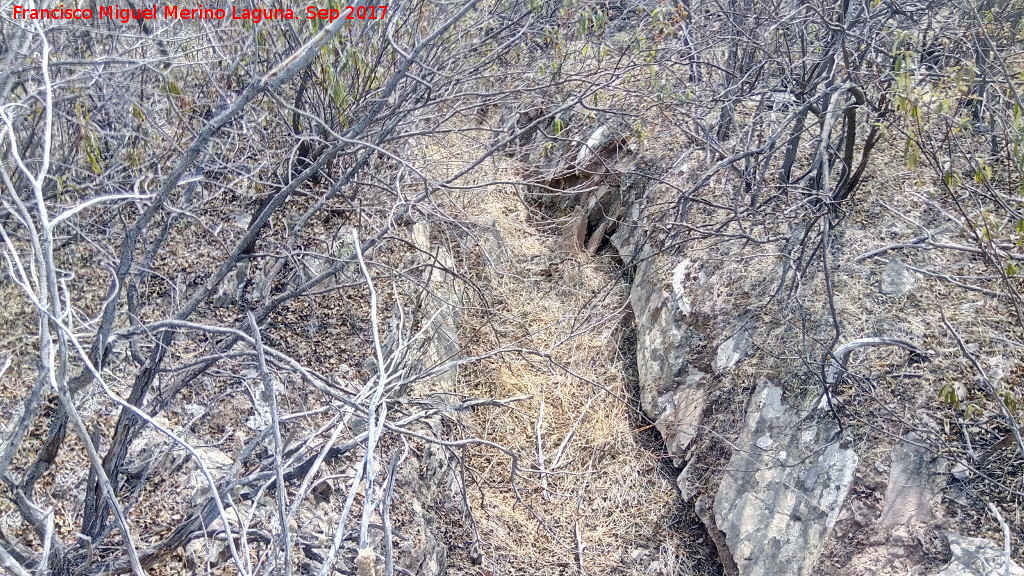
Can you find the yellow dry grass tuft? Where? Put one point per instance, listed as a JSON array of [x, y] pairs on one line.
[[589, 498]]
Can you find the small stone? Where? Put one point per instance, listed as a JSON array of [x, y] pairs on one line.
[[976, 556], [916, 482], [961, 472], [687, 489], [733, 350], [897, 278]]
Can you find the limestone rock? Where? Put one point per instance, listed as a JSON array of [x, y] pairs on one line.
[[597, 144], [574, 234], [916, 482], [733, 350], [976, 557], [783, 488], [664, 343], [597, 140], [680, 422], [687, 487], [897, 278], [681, 274], [421, 552]]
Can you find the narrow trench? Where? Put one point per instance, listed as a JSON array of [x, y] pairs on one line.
[[690, 528], [624, 501]]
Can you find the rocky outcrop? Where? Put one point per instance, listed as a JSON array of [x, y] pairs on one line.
[[427, 482], [782, 502], [586, 181], [783, 488]]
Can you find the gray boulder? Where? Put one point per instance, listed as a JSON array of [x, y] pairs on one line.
[[783, 487]]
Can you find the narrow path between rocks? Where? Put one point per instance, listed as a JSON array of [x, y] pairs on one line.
[[595, 496]]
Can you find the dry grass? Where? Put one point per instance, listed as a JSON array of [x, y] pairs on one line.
[[590, 496], [594, 488]]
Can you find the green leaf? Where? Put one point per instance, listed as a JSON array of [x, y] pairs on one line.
[[983, 174], [911, 153]]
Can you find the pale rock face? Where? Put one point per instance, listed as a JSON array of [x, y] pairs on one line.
[[596, 140], [680, 422], [783, 488], [687, 488], [663, 343], [679, 278], [977, 557], [733, 350]]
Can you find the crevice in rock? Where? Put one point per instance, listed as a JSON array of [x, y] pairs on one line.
[[592, 216], [647, 434], [686, 520]]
